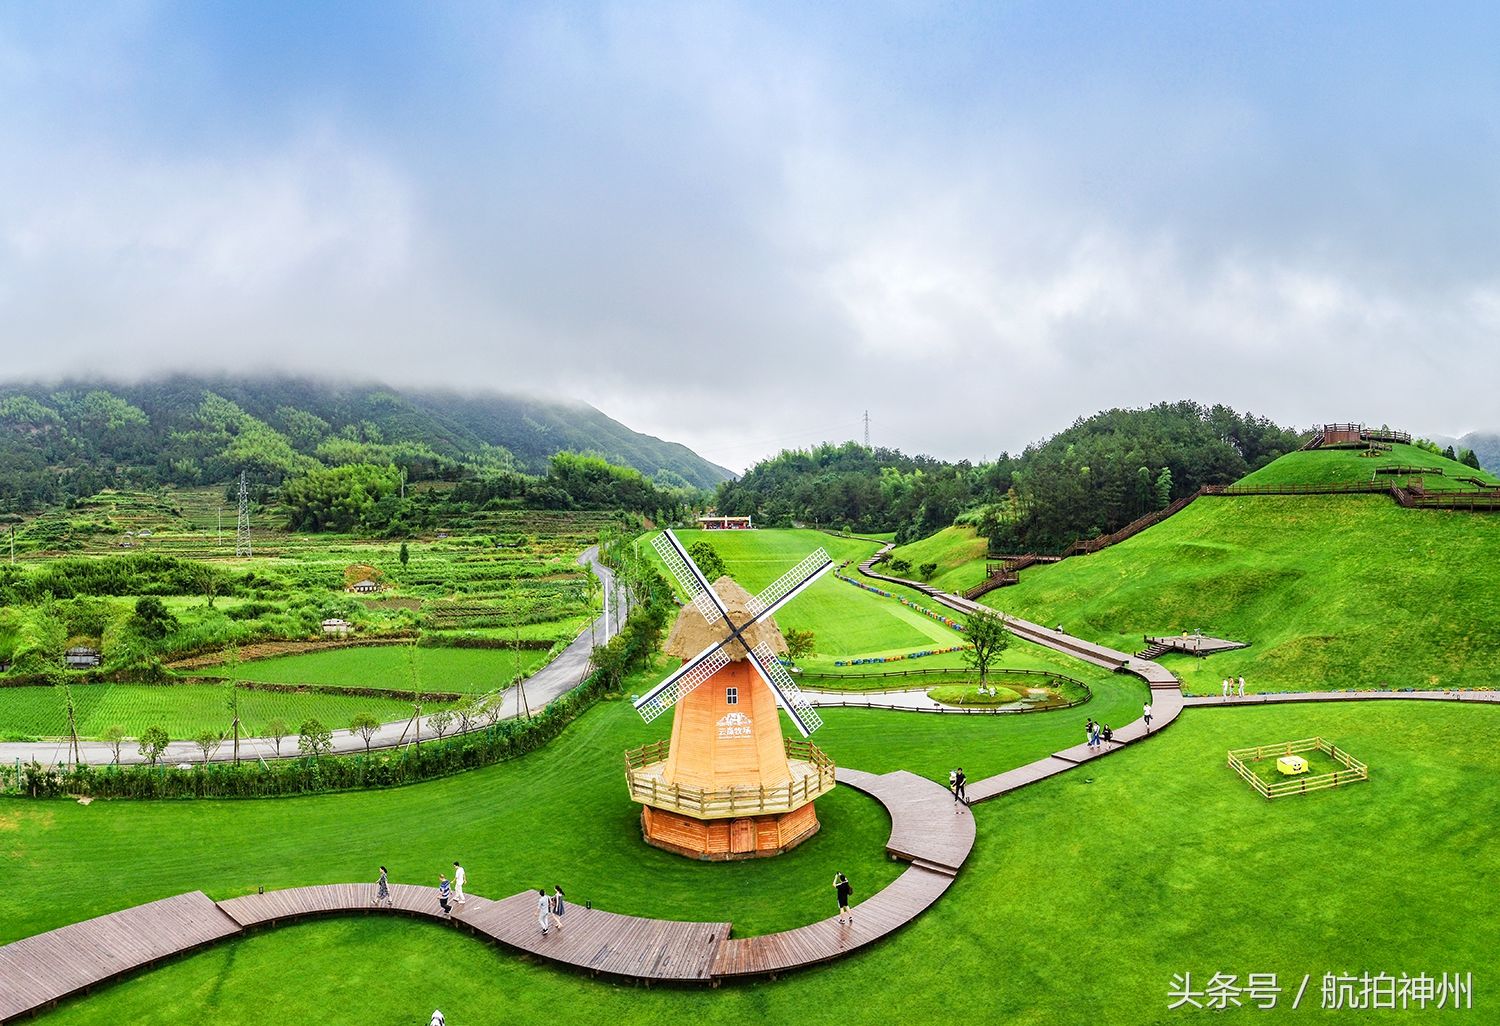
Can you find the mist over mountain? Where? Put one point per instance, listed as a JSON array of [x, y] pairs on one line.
[[71, 438], [1486, 445]]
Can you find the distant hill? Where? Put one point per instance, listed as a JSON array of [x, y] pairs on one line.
[[1486, 445], [71, 439]]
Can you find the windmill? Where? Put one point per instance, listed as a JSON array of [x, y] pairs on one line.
[[728, 784]]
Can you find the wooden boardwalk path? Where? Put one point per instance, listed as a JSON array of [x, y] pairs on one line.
[[925, 831], [603, 942], [1154, 674], [40, 970], [924, 826]]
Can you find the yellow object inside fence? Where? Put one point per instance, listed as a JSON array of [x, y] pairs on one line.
[[1291, 765]]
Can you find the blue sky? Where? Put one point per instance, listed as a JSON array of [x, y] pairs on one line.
[[1027, 211]]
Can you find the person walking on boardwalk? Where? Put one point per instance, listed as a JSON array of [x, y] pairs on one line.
[[1108, 735], [953, 784], [960, 780], [559, 906], [1242, 685], [382, 889], [445, 892], [543, 910], [458, 882], [842, 890], [1146, 712], [1226, 687]]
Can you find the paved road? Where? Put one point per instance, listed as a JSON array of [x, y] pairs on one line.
[[556, 678]]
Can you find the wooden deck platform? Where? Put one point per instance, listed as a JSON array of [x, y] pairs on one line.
[[39, 970], [883, 913], [925, 828], [1192, 644], [336, 899], [603, 942]]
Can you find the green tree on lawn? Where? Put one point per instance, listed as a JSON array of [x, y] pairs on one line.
[[404, 556], [987, 637], [799, 644]]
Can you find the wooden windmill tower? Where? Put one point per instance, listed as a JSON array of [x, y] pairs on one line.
[[728, 785]]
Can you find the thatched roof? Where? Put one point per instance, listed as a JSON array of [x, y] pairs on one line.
[[691, 633]]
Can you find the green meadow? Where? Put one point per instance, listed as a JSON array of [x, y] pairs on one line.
[[1091, 889], [468, 671]]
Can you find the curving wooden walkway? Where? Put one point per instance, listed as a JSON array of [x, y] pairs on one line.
[[40, 970], [925, 831]]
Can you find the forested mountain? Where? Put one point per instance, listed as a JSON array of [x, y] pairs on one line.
[[1096, 476], [1485, 445], [69, 440]]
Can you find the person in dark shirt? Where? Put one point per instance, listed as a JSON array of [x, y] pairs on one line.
[[843, 890]]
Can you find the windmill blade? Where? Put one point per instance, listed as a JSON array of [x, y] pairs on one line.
[[803, 715], [698, 588], [692, 673], [790, 584]]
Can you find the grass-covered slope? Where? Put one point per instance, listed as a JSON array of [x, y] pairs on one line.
[[848, 622], [1351, 466], [958, 553], [1331, 592]]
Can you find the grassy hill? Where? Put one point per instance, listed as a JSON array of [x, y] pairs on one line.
[[1331, 592], [958, 553], [1350, 466]]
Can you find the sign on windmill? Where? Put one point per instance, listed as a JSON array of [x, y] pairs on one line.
[[728, 785]]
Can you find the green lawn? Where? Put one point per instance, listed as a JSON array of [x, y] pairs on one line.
[[501, 820], [957, 694], [1348, 466], [847, 622], [1318, 762], [1331, 592], [958, 553], [1083, 897], [470, 671], [184, 710]]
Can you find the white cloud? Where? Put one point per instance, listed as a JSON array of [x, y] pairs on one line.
[[726, 231]]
